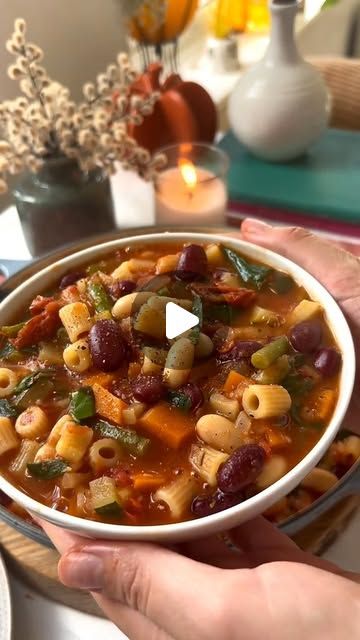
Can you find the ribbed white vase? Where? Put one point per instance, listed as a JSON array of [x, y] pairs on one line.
[[281, 105]]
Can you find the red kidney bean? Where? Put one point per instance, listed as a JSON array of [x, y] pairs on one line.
[[206, 505], [148, 389], [121, 288], [71, 278], [194, 393], [192, 263], [107, 345], [327, 362], [306, 336], [241, 468]]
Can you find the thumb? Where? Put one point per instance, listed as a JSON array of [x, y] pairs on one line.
[[152, 580], [336, 268]]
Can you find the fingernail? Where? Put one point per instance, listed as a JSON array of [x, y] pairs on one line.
[[255, 227], [82, 571]]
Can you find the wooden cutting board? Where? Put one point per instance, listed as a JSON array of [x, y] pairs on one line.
[[37, 565]]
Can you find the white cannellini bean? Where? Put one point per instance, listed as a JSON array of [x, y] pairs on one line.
[[273, 470], [319, 480], [219, 432], [125, 305]]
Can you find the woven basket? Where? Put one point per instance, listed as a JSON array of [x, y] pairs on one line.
[[342, 77]]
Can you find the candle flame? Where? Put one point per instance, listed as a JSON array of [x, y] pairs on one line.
[[188, 173]]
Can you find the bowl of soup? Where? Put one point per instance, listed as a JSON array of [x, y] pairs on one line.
[[113, 424]]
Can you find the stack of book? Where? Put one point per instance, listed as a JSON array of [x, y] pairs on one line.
[[320, 190]]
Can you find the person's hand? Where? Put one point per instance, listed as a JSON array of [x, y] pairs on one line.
[[338, 270], [205, 591]]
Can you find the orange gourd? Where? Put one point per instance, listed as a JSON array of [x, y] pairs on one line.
[[148, 27], [184, 112]]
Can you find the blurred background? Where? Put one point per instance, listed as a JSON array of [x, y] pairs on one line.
[[215, 40]]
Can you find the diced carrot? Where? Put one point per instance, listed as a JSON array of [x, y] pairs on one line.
[[233, 380], [107, 405], [235, 385], [169, 424], [147, 482], [319, 406], [276, 438], [103, 379]]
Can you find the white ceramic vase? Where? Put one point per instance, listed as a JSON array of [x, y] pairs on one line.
[[281, 105]]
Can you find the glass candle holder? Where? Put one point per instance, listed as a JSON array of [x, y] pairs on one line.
[[192, 190]]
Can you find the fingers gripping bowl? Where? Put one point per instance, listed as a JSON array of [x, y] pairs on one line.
[[276, 448]]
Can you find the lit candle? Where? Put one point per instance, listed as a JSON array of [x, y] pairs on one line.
[[189, 194]]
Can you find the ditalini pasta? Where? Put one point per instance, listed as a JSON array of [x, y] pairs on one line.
[[74, 442], [104, 454], [77, 356], [8, 381], [32, 423], [104, 417]]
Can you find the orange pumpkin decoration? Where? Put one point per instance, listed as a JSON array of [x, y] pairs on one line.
[[184, 112], [147, 27]]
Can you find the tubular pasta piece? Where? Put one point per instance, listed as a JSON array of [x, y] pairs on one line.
[[76, 319], [74, 441], [8, 382], [178, 495], [266, 401]]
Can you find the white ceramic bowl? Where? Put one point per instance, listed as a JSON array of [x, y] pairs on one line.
[[252, 507]]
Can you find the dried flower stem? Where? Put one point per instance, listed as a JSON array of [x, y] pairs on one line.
[[46, 123]]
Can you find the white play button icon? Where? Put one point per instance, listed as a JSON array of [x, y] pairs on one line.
[[178, 320]]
